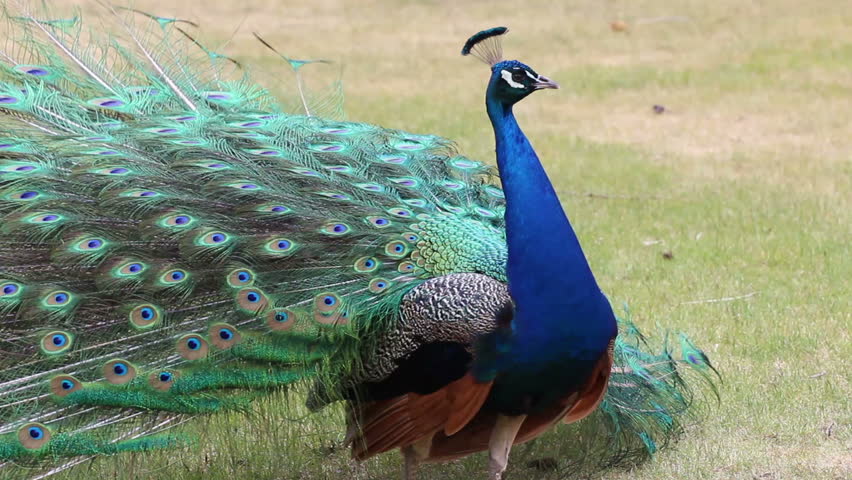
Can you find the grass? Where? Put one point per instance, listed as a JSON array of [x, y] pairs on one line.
[[744, 180]]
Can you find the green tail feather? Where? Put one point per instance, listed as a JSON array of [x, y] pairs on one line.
[[173, 242], [651, 392]]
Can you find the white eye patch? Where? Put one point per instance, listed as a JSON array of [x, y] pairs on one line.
[[507, 76]]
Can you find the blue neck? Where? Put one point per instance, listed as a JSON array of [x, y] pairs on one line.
[[555, 293]]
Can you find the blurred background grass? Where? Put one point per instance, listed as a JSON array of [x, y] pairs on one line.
[[728, 216]]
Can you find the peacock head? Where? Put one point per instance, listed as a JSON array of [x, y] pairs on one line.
[[511, 81]]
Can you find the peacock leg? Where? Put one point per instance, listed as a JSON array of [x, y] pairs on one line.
[[413, 455], [500, 444]]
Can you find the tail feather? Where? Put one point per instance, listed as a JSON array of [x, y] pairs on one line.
[[172, 244]]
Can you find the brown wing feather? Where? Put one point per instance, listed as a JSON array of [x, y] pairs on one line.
[[403, 420], [466, 399]]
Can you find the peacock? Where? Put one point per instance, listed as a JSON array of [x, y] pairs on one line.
[[174, 244]]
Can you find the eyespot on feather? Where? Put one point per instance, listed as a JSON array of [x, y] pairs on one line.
[[118, 371], [178, 220], [90, 244], [183, 118], [411, 237], [245, 186], [366, 264], [217, 96], [335, 229], [26, 195], [335, 195], [33, 436], [408, 182], [406, 267], [45, 218], [453, 185], [281, 319], [328, 147], [163, 380], [378, 222], [63, 385], [280, 246], [247, 123], [10, 290], [400, 212], [57, 299], [136, 193], [265, 151], [173, 277], [118, 171], [223, 336], [326, 302], [107, 102], [409, 145], [213, 165], [130, 268], [274, 208], [20, 168], [346, 169], [34, 70], [370, 187], [396, 249], [56, 342], [145, 316], [164, 130], [379, 285], [240, 277], [192, 347], [393, 159], [252, 300], [484, 212], [464, 163], [106, 152], [213, 239]]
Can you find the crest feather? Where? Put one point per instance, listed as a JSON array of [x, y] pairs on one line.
[[485, 45]]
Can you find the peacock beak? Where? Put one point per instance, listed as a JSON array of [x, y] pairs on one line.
[[543, 82]]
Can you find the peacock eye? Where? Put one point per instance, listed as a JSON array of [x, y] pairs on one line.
[[518, 76]]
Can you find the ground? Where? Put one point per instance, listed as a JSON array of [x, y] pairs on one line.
[[728, 215]]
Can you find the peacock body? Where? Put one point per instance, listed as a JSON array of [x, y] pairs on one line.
[[174, 244]]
